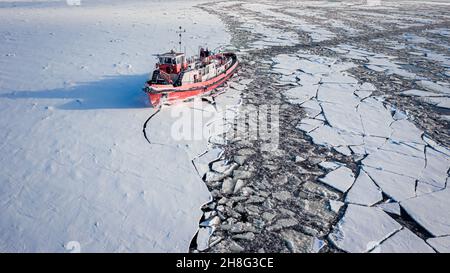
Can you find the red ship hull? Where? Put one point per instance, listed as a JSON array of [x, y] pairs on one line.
[[168, 94]]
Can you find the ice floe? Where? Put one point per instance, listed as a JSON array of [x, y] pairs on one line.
[[441, 244], [398, 160], [336, 205], [431, 211], [363, 228], [390, 207], [364, 191], [317, 33], [404, 241], [341, 179]]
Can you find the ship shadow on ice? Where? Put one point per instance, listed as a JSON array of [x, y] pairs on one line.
[[112, 92]]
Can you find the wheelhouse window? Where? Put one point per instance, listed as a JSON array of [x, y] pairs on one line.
[[166, 60], [171, 60]]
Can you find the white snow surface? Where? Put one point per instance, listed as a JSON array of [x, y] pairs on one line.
[[75, 163]]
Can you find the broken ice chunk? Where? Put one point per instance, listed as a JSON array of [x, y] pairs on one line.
[[330, 136], [431, 211], [301, 94], [376, 68], [330, 165], [245, 81], [202, 162], [443, 88], [358, 149], [436, 146], [398, 163], [343, 150], [374, 118], [338, 94], [341, 179], [307, 125], [223, 166], [403, 241], [435, 171], [312, 108], [364, 191], [398, 115], [203, 238], [441, 244], [419, 93], [424, 188], [355, 232], [317, 245], [362, 94], [343, 117], [383, 63], [367, 87], [237, 86], [335, 206], [371, 144], [214, 221], [390, 207], [407, 149], [398, 187], [339, 78], [298, 159], [442, 102], [313, 67]]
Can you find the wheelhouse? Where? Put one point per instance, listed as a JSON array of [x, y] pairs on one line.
[[172, 62]]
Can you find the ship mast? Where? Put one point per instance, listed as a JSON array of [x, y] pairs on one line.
[[179, 35]]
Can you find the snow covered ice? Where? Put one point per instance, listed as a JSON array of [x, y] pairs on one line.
[[362, 163], [75, 164]]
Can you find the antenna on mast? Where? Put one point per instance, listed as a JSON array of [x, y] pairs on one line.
[[179, 35]]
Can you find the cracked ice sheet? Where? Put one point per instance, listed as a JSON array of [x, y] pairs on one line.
[[82, 170], [435, 171], [438, 87], [395, 148], [431, 211], [390, 207], [269, 36], [397, 186], [403, 241], [202, 162], [185, 125], [362, 228], [441, 244], [316, 32], [352, 52], [437, 99], [386, 64], [395, 162], [364, 191], [443, 102], [303, 93], [375, 62], [341, 179]]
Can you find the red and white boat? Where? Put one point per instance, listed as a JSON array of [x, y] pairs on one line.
[[178, 78]]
